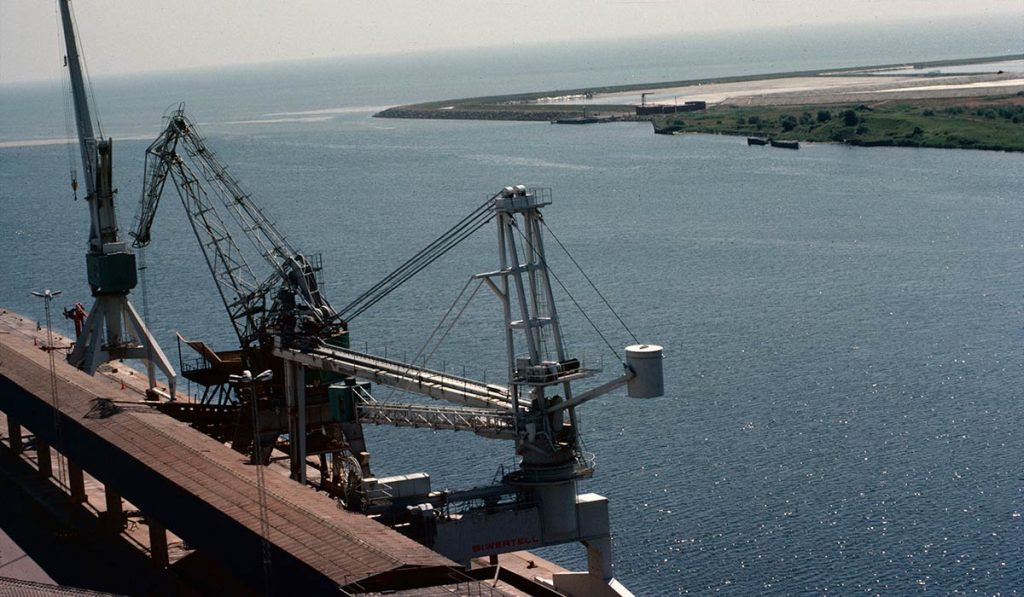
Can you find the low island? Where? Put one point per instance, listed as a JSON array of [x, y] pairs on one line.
[[975, 103]]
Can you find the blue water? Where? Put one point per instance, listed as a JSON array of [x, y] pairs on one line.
[[842, 326]]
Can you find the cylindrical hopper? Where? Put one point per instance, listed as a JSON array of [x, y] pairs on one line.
[[645, 361]]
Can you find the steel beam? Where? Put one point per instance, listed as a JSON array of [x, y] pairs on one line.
[[418, 380], [482, 421], [294, 463]]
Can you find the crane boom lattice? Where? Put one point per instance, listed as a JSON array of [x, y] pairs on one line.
[[289, 299]]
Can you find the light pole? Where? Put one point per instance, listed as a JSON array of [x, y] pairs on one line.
[[48, 296], [257, 460]]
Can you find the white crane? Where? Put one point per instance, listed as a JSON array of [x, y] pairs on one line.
[[536, 503], [113, 329]]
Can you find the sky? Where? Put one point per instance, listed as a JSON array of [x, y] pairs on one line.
[[128, 36]]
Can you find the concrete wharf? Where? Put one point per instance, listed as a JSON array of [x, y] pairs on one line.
[[191, 487]]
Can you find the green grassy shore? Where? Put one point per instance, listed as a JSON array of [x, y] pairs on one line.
[[994, 123]]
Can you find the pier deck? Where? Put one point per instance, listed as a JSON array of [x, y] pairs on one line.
[[198, 488]]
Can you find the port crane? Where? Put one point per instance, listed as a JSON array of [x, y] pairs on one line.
[[113, 328], [288, 301], [535, 503], [284, 323]]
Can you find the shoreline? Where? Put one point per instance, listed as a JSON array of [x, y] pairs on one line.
[[517, 106], [899, 104]]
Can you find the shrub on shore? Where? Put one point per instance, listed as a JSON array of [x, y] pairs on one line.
[[989, 124]]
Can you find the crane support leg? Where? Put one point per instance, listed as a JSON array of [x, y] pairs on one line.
[[85, 354], [92, 349], [151, 350]]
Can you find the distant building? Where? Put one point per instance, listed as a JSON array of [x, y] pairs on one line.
[[651, 109]]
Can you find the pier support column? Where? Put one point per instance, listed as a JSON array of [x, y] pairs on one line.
[[43, 460], [300, 400], [114, 516], [293, 419], [157, 543], [76, 481], [14, 433], [599, 557], [295, 392]]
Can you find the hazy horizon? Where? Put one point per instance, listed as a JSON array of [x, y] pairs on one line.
[[31, 49]]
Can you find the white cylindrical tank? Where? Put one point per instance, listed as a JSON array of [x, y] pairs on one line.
[[645, 361]]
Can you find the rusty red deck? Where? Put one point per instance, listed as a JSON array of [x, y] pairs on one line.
[[196, 487]]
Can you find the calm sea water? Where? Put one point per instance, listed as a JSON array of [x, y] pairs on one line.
[[842, 326]]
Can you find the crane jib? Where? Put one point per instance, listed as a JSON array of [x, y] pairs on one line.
[[220, 212]]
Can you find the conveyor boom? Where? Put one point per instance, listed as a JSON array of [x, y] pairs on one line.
[[482, 421], [435, 384]]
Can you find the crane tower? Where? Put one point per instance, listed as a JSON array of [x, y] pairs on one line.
[[113, 329]]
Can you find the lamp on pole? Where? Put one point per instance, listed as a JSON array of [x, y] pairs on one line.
[[48, 296], [247, 378], [257, 460]]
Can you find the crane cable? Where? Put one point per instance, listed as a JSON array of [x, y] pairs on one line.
[[88, 77], [417, 263], [451, 324], [433, 333], [436, 249], [579, 307], [142, 268], [58, 444], [589, 281]]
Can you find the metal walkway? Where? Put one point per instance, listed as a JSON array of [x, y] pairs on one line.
[[436, 384], [482, 421]]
